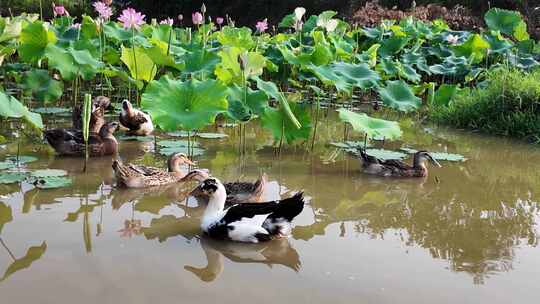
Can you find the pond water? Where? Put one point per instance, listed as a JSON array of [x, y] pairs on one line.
[[466, 234]]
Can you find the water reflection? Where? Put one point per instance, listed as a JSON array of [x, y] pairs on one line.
[[277, 252]]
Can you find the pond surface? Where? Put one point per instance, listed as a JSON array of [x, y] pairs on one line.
[[466, 234]]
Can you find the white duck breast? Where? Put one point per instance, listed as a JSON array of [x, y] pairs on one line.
[[250, 222]]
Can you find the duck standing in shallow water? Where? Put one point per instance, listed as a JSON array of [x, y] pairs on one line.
[[138, 176], [136, 121], [250, 223], [69, 142], [237, 192], [396, 168]]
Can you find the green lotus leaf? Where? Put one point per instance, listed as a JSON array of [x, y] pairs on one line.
[[236, 37], [114, 31], [441, 69], [503, 20], [6, 215], [358, 75], [398, 95], [177, 143], [439, 155], [158, 54], [239, 109], [12, 29], [475, 47], [392, 45], [33, 41], [272, 91], [89, 28], [189, 105], [229, 71], [277, 121], [11, 177], [329, 76], [11, 107], [321, 55], [52, 182], [23, 159], [42, 85], [409, 73], [139, 64], [372, 127], [299, 58], [48, 173], [287, 21], [200, 61], [168, 147], [71, 62], [499, 44], [33, 254], [386, 154], [444, 94]]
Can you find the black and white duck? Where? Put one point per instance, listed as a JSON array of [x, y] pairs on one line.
[[248, 222], [136, 121]]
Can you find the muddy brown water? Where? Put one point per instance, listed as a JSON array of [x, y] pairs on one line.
[[466, 234]]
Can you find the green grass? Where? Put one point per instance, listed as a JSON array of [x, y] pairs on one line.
[[509, 105]]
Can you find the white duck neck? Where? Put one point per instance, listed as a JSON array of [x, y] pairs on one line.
[[214, 209]]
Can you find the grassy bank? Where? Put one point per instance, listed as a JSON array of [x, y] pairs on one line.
[[508, 105]]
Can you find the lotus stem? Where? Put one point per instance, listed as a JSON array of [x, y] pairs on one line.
[[316, 123], [7, 249]]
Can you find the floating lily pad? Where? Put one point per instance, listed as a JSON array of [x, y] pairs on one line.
[[212, 135], [349, 144], [176, 143], [52, 182], [386, 154], [48, 173], [171, 150], [51, 110], [7, 165], [11, 177], [439, 155], [23, 159], [178, 133]]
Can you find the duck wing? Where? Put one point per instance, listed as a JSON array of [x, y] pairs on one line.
[[133, 122], [394, 163], [145, 170]]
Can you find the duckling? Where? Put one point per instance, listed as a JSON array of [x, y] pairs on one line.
[[138, 176], [397, 168], [97, 118], [249, 222], [237, 192], [69, 142], [138, 122]]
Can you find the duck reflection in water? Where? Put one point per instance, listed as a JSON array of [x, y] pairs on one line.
[[276, 252]]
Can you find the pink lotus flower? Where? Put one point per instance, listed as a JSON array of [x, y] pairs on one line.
[[76, 26], [219, 20], [262, 26], [452, 39], [104, 11], [131, 18], [197, 18], [168, 21], [59, 10]]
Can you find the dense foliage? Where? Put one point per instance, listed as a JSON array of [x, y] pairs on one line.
[[185, 76]]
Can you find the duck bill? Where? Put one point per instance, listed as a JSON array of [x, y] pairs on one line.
[[434, 162], [188, 161]]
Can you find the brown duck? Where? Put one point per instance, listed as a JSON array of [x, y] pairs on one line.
[[97, 118], [136, 121], [139, 176], [237, 192], [70, 142], [396, 168]]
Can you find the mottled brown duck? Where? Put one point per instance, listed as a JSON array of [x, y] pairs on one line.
[[396, 168]]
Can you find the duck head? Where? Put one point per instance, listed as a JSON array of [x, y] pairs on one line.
[[198, 175], [108, 129], [126, 107], [176, 160], [102, 102], [421, 157], [209, 187]]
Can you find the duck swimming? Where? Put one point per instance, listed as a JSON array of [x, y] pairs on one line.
[[97, 117], [237, 192], [138, 176], [396, 168], [69, 142], [136, 121], [249, 222]]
